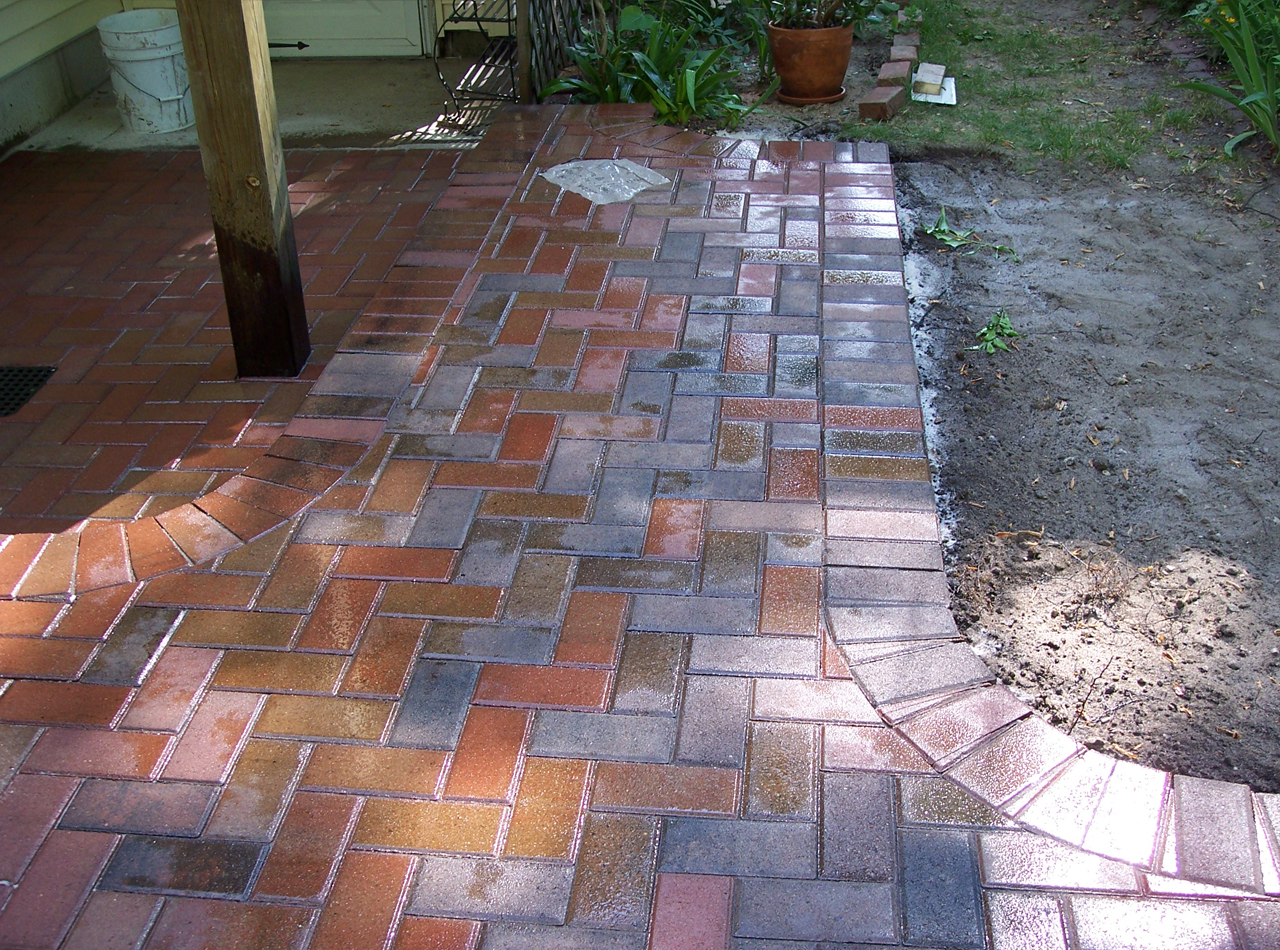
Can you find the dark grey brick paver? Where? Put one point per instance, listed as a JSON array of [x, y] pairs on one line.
[[573, 466], [490, 554], [740, 847], [603, 736], [444, 518], [625, 540], [131, 648], [859, 841], [623, 496], [713, 721], [940, 889], [449, 387], [684, 613], [484, 888], [509, 643], [435, 704], [533, 937], [753, 656], [649, 673], [816, 910]]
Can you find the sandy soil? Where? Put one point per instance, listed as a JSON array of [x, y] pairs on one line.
[[1112, 488]]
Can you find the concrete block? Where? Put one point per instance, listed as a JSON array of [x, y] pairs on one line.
[[928, 79]]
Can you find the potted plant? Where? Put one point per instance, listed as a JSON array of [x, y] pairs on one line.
[[811, 41]]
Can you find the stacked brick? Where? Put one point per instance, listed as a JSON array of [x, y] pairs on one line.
[[890, 92]]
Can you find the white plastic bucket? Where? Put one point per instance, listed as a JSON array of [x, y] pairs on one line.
[[148, 71]]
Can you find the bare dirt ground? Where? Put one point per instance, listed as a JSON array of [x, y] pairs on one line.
[[1112, 487]]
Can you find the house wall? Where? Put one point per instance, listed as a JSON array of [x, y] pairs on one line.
[[50, 59]]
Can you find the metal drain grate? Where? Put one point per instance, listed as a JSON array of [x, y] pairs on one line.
[[19, 383]]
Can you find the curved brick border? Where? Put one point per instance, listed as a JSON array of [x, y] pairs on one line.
[[295, 472], [887, 607], [312, 455]]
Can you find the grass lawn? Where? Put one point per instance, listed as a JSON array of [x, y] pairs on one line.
[[1035, 81]]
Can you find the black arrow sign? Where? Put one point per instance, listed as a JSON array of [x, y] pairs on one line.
[[297, 45]]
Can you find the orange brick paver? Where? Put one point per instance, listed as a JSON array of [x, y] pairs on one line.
[[561, 601]]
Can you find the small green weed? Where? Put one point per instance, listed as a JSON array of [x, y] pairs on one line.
[[941, 230], [996, 334]]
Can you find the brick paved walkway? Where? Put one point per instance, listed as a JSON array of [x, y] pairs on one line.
[[586, 594]]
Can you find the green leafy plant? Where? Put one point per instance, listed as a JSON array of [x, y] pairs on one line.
[[603, 61], [637, 57], [711, 24], [1248, 31], [752, 17], [912, 16], [941, 230], [683, 82], [997, 334], [822, 14]]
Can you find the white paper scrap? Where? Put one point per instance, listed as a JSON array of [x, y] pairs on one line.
[[945, 98], [604, 181]]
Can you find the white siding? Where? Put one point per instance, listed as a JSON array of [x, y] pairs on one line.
[[31, 29]]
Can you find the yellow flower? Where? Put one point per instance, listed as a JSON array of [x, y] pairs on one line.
[[1231, 20]]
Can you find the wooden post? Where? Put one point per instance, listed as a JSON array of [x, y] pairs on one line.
[[524, 53], [225, 42]]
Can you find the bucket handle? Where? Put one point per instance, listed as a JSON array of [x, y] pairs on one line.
[[147, 92]]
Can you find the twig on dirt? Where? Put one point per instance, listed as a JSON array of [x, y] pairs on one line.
[[1115, 709], [1089, 692], [1017, 534], [1249, 201], [1089, 360]]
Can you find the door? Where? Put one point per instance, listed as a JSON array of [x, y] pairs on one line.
[[345, 27]]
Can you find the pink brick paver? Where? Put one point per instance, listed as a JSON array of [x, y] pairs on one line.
[[580, 593]]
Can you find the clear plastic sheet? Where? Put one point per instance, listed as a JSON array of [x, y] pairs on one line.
[[605, 181]]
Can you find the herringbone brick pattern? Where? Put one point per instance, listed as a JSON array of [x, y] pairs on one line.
[[590, 597]]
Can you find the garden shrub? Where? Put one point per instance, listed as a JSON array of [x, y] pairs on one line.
[[1248, 33]]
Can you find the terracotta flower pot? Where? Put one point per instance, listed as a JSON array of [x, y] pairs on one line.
[[811, 63]]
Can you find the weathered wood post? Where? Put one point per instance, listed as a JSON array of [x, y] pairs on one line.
[[225, 42], [524, 53]]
